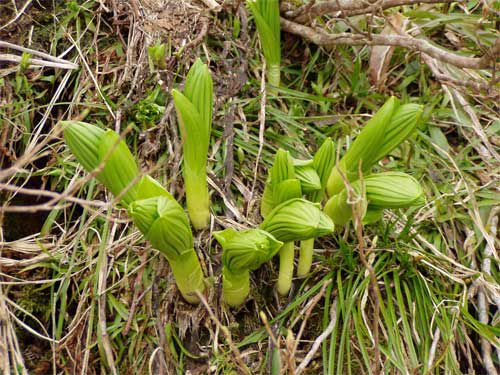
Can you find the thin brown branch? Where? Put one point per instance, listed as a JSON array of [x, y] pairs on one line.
[[323, 38], [351, 7]]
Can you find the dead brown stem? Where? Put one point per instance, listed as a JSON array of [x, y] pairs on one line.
[[323, 38], [351, 7]]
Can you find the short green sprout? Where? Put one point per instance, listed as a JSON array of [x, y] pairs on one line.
[[243, 252]]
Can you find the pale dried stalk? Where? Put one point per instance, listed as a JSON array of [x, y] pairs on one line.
[[352, 7], [262, 128], [319, 340], [322, 38], [10, 352], [33, 52], [19, 13], [7, 57], [432, 350], [489, 252]]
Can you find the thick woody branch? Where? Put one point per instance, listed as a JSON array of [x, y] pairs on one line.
[[351, 7], [420, 45]]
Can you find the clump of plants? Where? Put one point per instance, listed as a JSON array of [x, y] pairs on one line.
[[291, 204]]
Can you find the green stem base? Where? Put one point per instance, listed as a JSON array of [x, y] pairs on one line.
[[235, 287], [305, 257], [273, 78], [197, 200], [285, 276], [188, 275]]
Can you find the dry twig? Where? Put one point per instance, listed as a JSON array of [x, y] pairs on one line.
[[323, 38], [226, 333], [319, 340], [351, 7]]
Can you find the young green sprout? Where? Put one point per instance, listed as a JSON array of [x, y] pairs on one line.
[[266, 14], [311, 184], [386, 130], [383, 190], [157, 56], [281, 186], [322, 164], [363, 150], [194, 111], [165, 224], [243, 252], [158, 216], [95, 148], [305, 172], [295, 220]]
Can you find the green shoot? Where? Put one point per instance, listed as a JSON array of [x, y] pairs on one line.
[[383, 190], [194, 111], [267, 18], [243, 252], [93, 146], [282, 185], [294, 220], [165, 224], [155, 212]]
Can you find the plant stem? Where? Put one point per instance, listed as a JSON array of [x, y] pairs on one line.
[[286, 268], [235, 287], [188, 275], [197, 199], [273, 78], [305, 257]]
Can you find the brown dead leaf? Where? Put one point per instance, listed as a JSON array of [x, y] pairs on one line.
[[380, 57]]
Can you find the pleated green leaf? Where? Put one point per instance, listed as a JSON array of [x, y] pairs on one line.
[[283, 168], [383, 190], [193, 133], [83, 140], [267, 18], [194, 110], [247, 249], [148, 187], [373, 214], [92, 145], [297, 219], [393, 190], [164, 223], [307, 175], [282, 184], [267, 200], [364, 149], [120, 169], [403, 123], [339, 208], [323, 163], [199, 91], [286, 190]]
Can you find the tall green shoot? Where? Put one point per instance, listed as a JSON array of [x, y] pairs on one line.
[[266, 14], [194, 110]]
